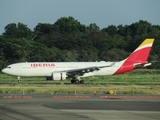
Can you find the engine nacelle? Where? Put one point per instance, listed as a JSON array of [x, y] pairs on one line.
[[57, 76]]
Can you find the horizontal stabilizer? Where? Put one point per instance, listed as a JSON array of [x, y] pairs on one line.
[[141, 65], [147, 64]]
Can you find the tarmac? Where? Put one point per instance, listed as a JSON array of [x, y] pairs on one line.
[[79, 107]]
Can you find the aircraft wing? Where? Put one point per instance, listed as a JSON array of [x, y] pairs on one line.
[[81, 71]]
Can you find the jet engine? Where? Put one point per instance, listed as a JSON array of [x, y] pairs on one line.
[[57, 76]]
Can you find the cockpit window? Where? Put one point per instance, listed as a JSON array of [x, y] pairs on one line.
[[8, 67]]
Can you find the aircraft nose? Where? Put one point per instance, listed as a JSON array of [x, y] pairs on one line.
[[4, 70]]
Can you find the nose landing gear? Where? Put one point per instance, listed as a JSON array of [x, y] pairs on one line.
[[19, 79]]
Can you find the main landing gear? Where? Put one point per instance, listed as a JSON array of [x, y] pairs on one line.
[[76, 81]]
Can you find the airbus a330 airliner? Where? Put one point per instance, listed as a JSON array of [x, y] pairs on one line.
[[76, 70]]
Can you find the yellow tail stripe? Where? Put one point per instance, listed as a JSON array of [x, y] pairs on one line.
[[147, 41]]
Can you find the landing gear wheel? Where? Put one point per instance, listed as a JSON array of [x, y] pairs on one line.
[[73, 81], [19, 81], [81, 81], [77, 81]]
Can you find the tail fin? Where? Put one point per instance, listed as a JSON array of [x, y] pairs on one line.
[[137, 58], [140, 55]]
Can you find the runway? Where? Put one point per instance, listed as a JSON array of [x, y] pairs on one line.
[[43, 107]]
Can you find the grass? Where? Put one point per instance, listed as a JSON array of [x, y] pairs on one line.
[[121, 84], [70, 89]]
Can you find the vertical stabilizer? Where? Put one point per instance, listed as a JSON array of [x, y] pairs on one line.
[[138, 58]]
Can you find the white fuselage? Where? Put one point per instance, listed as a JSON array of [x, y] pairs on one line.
[[30, 69]]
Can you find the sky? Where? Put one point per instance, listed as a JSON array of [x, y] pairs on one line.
[[101, 12]]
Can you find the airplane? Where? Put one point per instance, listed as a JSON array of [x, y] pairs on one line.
[[77, 70]]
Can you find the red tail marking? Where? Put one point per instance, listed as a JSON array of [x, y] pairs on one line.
[[139, 56]]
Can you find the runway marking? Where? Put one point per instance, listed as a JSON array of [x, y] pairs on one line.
[[71, 96], [16, 97], [134, 96]]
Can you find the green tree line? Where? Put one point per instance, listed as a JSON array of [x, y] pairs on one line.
[[69, 40]]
